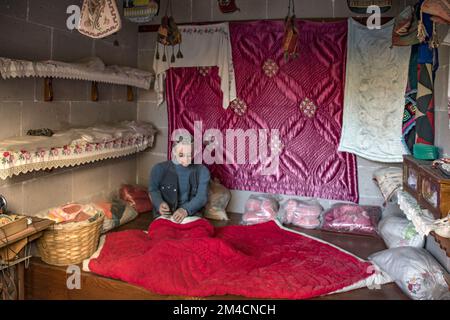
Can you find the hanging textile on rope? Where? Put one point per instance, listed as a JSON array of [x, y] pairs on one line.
[[290, 38], [99, 18], [140, 11], [169, 35], [227, 6]]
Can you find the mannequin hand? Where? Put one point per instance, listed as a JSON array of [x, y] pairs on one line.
[[179, 215], [164, 208]]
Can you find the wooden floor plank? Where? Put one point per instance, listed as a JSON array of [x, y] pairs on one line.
[[43, 281]]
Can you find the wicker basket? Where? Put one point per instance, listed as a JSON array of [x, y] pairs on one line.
[[70, 243]]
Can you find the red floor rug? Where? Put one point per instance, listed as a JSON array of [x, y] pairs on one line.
[[196, 259]]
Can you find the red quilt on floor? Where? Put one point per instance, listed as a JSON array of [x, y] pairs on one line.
[[196, 259]]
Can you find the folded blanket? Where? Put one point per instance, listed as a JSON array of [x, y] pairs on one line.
[[259, 261]]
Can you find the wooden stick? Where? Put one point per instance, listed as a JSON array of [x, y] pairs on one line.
[[363, 20], [94, 91], [130, 95], [48, 89]]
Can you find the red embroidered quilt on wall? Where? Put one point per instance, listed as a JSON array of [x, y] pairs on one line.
[[301, 98]]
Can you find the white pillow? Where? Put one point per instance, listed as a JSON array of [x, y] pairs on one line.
[[415, 271], [400, 232]]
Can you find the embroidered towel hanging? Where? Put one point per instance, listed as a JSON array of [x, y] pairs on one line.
[[99, 18], [376, 79], [203, 46]]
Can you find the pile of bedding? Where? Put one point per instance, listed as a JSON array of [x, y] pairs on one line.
[[73, 146]]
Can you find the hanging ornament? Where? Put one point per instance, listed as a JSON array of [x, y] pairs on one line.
[[140, 11], [227, 6], [290, 38], [169, 35], [360, 6]]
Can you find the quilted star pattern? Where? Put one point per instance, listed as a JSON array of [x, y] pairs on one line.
[[308, 162]]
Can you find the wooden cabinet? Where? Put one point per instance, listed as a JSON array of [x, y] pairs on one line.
[[428, 185]]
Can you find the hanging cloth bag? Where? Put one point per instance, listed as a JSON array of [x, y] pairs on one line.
[[99, 18], [290, 37], [169, 35]]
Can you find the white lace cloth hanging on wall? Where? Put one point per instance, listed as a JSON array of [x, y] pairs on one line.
[[90, 69], [202, 46], [376, 79]]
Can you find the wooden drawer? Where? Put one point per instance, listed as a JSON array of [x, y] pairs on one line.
[[434, 193], [411, 175]]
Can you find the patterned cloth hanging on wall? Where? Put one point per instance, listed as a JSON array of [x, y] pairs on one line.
[[99, 18], [409, 116], [428, 63], [376, 79], [302, 99]]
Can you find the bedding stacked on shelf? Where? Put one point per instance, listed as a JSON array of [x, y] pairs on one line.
[[73, 147]]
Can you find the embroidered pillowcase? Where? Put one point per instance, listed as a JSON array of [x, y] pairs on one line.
[[415, 271]]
